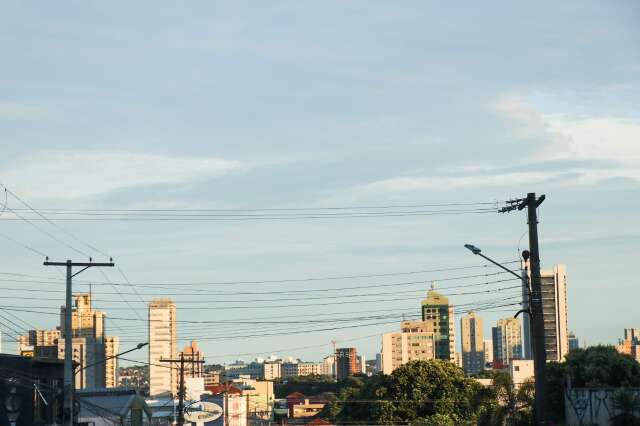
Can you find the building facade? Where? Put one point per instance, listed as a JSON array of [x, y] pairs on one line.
[[193, 360], [415, 341], [508, 340], [473, 358], [163, 344], [90, 345], [437, 311], [346, 363], [554, 308]]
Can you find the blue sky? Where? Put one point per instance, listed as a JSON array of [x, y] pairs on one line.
[[315, 104]]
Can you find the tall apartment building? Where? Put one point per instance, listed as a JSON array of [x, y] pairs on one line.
[[488, 352], [472, 343], [574, 342], [191, 355], [90, 345], [163, 344], [437, 310], [507, 340], [415, 341], [630, 345], [346, 363], [554, 309]]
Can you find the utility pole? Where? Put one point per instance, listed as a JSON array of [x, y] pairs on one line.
[[69, 379], [181, 391], [535, 301]]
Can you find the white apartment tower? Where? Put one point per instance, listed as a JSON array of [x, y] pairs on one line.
[[554, 309], [472, 343], [163, 344], [508, 344]]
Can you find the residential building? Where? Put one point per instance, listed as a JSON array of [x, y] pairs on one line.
[[90, 345], [415, 341], [346, 363], [260, 396], [290, 369], [272, 370], [554, 309], [212, 378], [630, 345], [361, 364], [472, 343], [488, 352], [521, 370], [193, 360], [124, 406], [574, 342], [163, 345], [328, 367], [508, 336], [437, 310]]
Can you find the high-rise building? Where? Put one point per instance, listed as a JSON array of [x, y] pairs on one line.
[[91, 345], [415, 341], [554, 309], [488, 352], [630, 345], [574, 343], [508, 336], [346, 362], [163, 344], [437, 310], [193, 360], [472, 343]]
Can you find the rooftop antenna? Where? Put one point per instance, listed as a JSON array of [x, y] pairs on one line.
[[433, 285]]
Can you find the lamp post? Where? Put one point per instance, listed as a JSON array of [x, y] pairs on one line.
[[536, 316]]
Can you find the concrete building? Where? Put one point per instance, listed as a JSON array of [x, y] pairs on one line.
[[521, 370], [90, 345], [415, 341], [163, 344], [437, 310], [554, 308], [272, 370], [472, 343], [346, 362], [193, 360], [574, 342], [508, 340], [630, 345], [488, 352]]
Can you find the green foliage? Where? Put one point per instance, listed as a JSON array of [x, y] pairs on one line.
[[506, 404], [420, 392], [593, 367], [627, 405]]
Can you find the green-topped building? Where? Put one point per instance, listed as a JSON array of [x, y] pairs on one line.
[[437, 311]]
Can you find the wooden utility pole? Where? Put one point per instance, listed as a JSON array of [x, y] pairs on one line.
[[181, 391], [535, 310], [537, 314], [69, 380]]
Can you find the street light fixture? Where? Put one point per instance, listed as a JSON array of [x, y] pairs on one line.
[[475, 250]]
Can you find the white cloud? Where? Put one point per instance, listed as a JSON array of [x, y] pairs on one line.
[[69, 175]]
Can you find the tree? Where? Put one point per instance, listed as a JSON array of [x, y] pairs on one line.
[[627, 404], [507, 404], [593, 367], [419, 392]]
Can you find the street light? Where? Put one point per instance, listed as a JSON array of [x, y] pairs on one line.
[[475, 250], [138, 346]]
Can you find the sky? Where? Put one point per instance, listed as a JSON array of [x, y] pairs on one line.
[[298, 104]]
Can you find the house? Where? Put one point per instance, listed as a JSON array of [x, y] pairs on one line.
[[100, 407]]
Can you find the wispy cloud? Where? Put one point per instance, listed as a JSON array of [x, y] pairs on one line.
[[69, 175]]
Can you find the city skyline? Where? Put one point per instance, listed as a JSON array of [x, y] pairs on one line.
[[99, 115]]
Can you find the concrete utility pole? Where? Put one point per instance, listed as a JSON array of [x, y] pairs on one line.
[[69, 379], [181, 391], [535, 302]]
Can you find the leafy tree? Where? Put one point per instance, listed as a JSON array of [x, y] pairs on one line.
[[420, 392], [506, 403], [597, 367], [627, 405]]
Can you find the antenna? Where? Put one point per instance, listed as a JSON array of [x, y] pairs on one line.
[[433, 285]]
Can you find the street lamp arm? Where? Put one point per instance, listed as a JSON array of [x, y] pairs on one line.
[[138, 346], [500, 266]]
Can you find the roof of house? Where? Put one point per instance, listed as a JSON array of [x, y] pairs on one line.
[[295, 395], [223, 388], [110, 402]]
